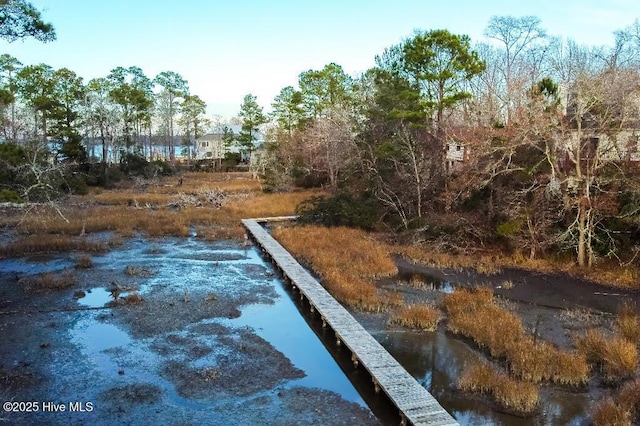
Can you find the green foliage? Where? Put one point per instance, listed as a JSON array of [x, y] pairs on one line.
[[324, 89], [160, 167], [340, 210], [509, 228], [288, 110], [252, 116], [73, 150], [133, 164], [9, 196], [19, 20]]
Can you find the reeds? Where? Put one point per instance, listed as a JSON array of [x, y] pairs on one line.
[[620, 359], [84, 262], [608, 413], [628, 325], [622, 409], [513, 396], [48, 281], [475, 314], [346, 260], [420, 317], [43, 244], [616, 356]]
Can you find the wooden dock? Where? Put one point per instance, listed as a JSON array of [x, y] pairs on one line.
[[415, 404]]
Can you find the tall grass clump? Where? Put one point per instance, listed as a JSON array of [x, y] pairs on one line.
[[420, 317], [628, 324], [48, 282], [43, 244], [84, 262], [345, 259], [620, 359], [608, 413], [629, 397], [476, 315], [616, 356], [513, 396]]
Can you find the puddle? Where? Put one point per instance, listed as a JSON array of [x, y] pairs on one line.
[[425, 281], [96, 337], [96, 298]]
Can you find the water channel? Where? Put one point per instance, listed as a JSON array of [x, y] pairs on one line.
[[277, 316]]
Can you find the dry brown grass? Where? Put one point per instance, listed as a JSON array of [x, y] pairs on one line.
[[513, 396], [138, 271], [346, 260], [620, 359], [48, 281], [617, 356], [608, 413], [42, 244], [420, 317], [126, 198], [628, 324], [475, 314], [228, 182], [629, 396], [424, 256], [126, 211], [591, 343], [84, 262]]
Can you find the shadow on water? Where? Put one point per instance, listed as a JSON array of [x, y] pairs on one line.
[[436, 361]]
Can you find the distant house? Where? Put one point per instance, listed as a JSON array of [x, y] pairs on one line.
[[456, 154], [212, 146]]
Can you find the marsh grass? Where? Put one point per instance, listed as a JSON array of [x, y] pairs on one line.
[[620, 359], [346, 260], [514, 396], [608, 413], [616, 356], [420, 317], [84, 262], [43, 244], [138, 271], [628, 324], [629, 397], [476, 315], [48, 282], [483, 264]]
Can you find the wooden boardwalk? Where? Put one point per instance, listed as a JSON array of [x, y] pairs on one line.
[[415, 404]]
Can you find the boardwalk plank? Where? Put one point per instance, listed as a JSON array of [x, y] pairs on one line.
[[415, 403]]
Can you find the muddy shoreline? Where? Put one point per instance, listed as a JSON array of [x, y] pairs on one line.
[[176, 356]]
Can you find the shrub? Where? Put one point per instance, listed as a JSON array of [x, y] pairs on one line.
[[340, 210], [9, 196]]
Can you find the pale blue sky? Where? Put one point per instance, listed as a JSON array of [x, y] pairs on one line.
[[226, 49]]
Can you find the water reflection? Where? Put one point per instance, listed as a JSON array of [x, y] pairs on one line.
[[436, 361]]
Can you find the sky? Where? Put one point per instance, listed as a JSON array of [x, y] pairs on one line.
[[228, 49]]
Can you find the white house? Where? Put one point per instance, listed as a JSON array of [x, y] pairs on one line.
[[213, 147]]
